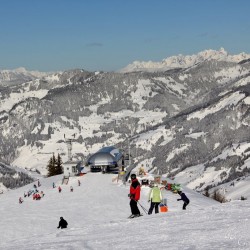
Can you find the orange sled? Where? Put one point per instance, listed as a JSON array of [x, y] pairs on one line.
[[163, 209]]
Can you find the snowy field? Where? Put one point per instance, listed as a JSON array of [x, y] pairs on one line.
[[97, 212]]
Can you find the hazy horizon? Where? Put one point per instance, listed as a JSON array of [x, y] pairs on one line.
[[108, 35]]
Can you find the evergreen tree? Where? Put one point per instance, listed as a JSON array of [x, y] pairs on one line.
[[58, 165], [51, 166]]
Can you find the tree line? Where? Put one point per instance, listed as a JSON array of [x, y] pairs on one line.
[[54, 166]]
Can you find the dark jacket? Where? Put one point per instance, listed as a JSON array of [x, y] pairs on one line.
[[62, 223], [135, 190], [184, 198]]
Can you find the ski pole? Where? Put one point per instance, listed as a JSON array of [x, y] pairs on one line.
[[144, 209]]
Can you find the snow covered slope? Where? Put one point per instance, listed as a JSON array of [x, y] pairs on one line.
[[97, 214]]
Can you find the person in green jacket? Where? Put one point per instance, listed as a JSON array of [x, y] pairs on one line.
[[155, 196]]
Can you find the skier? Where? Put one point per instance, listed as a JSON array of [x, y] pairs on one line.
[[54, 185], [134, 195], [184, 198], [62, 223], [38, 183], [59, 189], [34, 196], [79, 183], [155, 196], [20, 200], [71, 189], [38, 197]]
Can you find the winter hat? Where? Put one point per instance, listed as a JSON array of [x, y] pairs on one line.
[[133, 176]]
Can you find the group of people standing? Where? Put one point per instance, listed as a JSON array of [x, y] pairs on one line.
[[155, 196], [38, 195], [34, 192]]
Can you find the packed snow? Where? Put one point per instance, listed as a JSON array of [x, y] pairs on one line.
[[97, 211]]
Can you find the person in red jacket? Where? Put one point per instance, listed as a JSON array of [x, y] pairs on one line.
[[135, 190]]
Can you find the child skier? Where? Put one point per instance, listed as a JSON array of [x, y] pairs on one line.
[[184, 198]]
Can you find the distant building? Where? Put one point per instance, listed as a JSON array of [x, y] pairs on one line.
[[70, 168], [73, 168]]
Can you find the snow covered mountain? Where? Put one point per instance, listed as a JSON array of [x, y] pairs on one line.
[[182, 61], [11, 178], [190, 123], [19, 75], [97, 213]]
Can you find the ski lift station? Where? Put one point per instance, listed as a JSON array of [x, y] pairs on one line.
[[70, 167], [107, 159]]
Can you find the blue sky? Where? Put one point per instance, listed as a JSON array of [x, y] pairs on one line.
[[49, 35]]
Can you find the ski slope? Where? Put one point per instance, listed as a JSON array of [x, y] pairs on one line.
[[97, 212]]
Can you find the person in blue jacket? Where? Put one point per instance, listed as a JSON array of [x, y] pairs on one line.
[[184, 198]]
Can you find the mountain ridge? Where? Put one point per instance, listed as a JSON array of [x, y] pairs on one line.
[[182, 61]]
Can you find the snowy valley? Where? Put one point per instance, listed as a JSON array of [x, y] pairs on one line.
[[190, 122]]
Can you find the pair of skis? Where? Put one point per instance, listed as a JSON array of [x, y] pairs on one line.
[[135, 216], [138, 215]]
